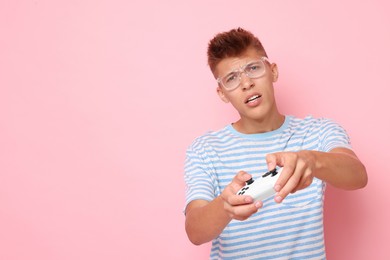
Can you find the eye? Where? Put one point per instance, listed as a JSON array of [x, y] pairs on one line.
[[253, 67], [231, 77]]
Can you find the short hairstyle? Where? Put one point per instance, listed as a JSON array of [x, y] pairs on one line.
[[231, 44]]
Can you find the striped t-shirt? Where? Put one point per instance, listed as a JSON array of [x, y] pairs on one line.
[[290, 230]]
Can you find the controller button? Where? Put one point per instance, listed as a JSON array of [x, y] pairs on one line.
[[248, 182]]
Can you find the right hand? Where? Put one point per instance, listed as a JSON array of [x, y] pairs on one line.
[[239, 207]]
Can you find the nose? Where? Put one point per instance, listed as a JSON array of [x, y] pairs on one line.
[[246, 82]]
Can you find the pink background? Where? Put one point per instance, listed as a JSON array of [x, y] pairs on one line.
[[99, 100]]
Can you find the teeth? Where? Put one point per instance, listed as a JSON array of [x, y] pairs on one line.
[[253, 98]]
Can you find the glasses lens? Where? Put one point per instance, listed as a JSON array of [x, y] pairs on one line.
[[231, 80], [255, 69], [252, 70]]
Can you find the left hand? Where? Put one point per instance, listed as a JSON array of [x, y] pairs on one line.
[[298, 169]]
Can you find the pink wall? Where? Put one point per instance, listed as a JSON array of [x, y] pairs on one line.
[[99, 100]]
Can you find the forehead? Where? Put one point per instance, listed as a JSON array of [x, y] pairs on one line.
[[233, 63]]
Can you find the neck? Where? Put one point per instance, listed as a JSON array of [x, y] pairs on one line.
[[257, 126]]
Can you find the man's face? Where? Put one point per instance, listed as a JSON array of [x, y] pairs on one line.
[[254, 97]]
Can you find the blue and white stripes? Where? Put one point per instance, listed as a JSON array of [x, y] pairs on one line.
[[290, 230]]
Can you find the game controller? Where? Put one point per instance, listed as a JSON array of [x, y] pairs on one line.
[[262, 188]]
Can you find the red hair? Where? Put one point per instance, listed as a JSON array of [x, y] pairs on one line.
[[231, 44]]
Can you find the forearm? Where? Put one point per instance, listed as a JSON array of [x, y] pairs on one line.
[[205, 220], [340, 168]]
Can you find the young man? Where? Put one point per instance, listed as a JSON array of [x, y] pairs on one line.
[[312, 151]]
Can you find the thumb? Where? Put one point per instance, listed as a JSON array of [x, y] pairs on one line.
[[240, 180], [241, 177], [272, 159]]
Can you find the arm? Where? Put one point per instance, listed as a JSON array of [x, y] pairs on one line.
[[340, 168], [206, 220]]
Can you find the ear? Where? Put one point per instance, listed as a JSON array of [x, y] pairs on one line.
[[275, 72], [221, 94]]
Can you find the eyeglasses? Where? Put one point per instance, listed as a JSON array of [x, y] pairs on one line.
[[253, 70]]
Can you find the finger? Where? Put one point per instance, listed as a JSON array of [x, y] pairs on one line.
[[229, 193], [272, 160], [240, 180], [293, 182], [236, 200], [242, 177], [288, 171], [243, 212], [305, 181]]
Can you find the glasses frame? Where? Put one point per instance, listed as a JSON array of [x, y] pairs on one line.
[[242, 70]]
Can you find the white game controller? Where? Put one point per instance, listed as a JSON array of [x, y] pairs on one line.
[[263, 187]]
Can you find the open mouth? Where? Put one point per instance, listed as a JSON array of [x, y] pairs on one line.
[[252, 98]]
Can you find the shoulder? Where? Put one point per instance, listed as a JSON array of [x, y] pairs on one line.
[[311, 122], [309, 119], [210, 138], [319, 127], [326, 131]]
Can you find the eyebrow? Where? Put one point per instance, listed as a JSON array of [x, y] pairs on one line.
[[243, 66], [231, 73]]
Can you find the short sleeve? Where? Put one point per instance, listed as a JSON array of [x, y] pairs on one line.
[[333, 136], [197, 177]]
